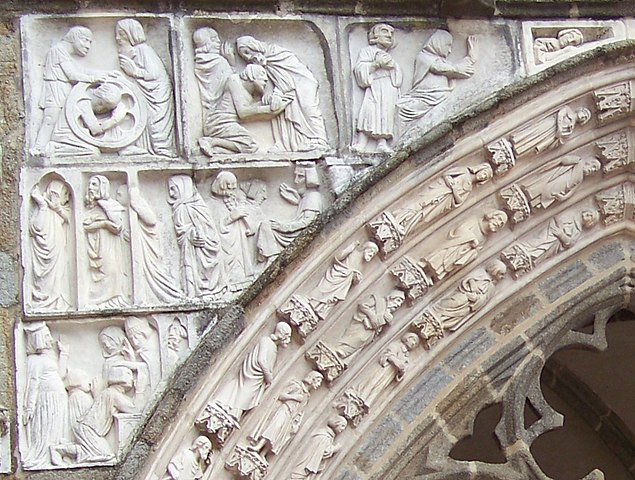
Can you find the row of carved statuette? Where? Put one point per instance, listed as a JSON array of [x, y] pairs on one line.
[[78, 410], [221, 244]]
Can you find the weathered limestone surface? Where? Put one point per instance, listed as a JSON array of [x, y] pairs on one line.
[[163, 173]]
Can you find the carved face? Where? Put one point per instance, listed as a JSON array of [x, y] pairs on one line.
[[395, 300], [260, 82], [589, 218], [496, 222], [93, 188], [82, 44], [339, 426], [591, 166], [410, 341], [121, 38], [109, 345], [136, 337], [385, 38], [251, 56], [204, 449], [314, 381], [369, 252], [173, 191]]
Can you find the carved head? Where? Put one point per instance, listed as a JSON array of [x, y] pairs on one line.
[[282, 334], [495, 220], [80, 38], [98, 188], [138, 330], [38, 337], [483, 173], [591, 165], [314, 379], [410, 341], [583, 115], [306, 176], [57, 193], [77, 379], [202, 446], [369, 251], [337, 423], [105, 98], [112, 340], [120, 375], [590, 218], [570, 36], [180, 187], [251, 50], [256, 75], [439, 43], [206, 39], [383, 35], [176, 333], [129, 32], [496, 270], [225, 184], [394, 300]]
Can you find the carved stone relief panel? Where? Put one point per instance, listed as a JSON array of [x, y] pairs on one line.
[[99, 86], [128, 237], [401, 72], [77, 408], [545, 43], [255, 93]]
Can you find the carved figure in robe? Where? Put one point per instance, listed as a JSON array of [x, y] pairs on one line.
[[155, 273], [93, 428], [282, 423], [380, 77], [341, 276], [144, 340], [369, 320], [393, 362], [444, 194], [118, 352], [320, 447], [463, 244], [190, 463], [549, 132], [48, 229], [256, 373], [562, 233], [197, 237], [235, 228], [265, 247], [176, 342], [308, 199], [61, 72], [546, 49], [139, 61], [560, 181], [435, 75], [471, 295], [45, 415], [106, 244], [300, 127], [86, 449]]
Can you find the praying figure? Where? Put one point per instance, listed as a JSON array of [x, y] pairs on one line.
[[380, 77]]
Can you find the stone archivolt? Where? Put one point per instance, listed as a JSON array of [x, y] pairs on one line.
[[523, 195], [562, 224]]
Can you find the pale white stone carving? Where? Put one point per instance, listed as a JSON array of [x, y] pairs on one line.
[[501, 156], [245, 391], [218, 422], [453, 310], [158, 279], [435, 75], [393, 363], [176, 343], [615, 150], [549, 132], [300, 126], [440, 196], [247, 464], [191, 462], [282, 422], [614, 101], [49, 232], [345, 272], [377, 73], [308, 200], [547, 49], [562, 233], [144, 340], [199, 244], [45, 404], [367, 323], [140, 62], [326, 360], [412, 278], [5, 440], [320, 447], [616, 203], [107, 246], [61, 72], [463, 244]]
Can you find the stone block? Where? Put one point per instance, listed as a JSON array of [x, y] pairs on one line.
[[377, 442], [424, 391], [565, 280], [469, 349]]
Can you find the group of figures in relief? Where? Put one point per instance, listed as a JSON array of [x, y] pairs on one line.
[[222, 243], [273, 85], [71, 417], [385, 109], [86, 112]]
